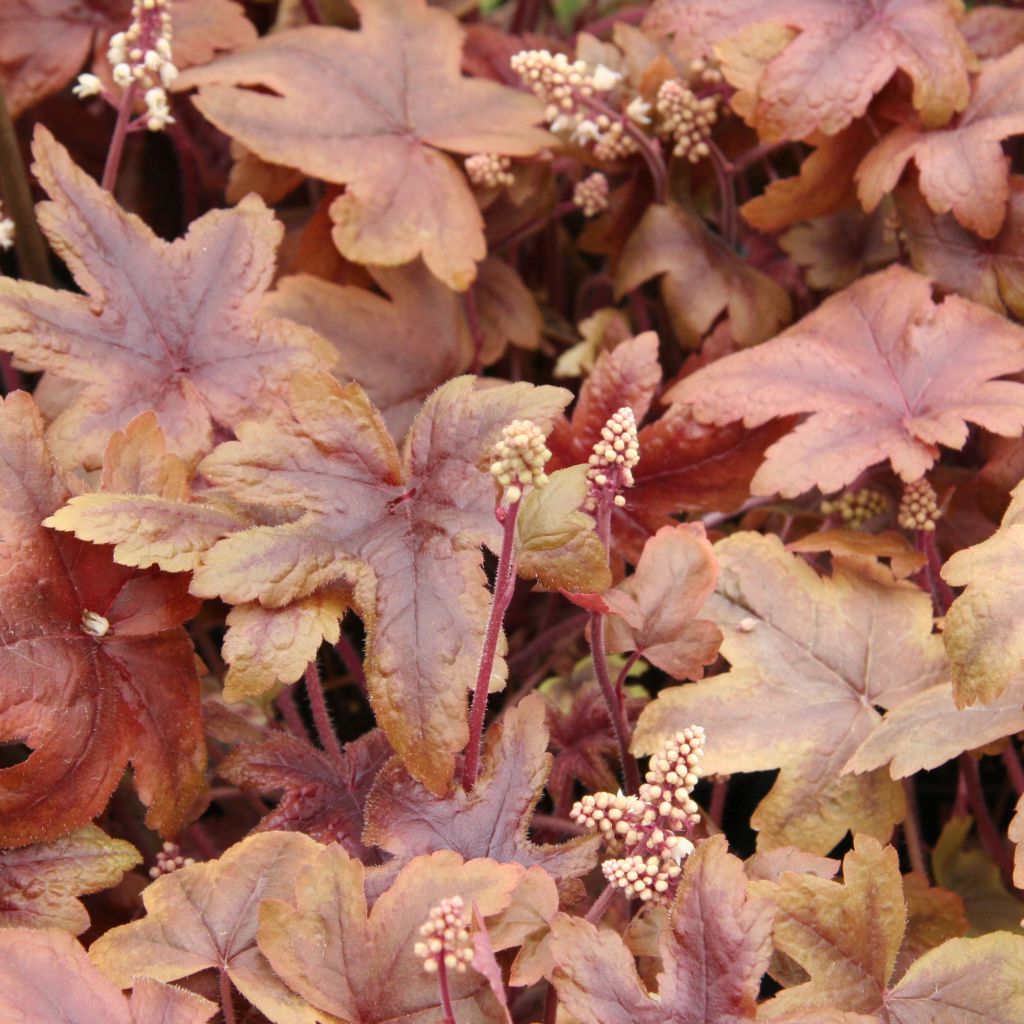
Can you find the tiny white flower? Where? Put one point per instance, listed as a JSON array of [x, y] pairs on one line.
[[88, 85], [638, 110], [604, 78], [168, 74], [586, 131], [6, 233], [123, 75]]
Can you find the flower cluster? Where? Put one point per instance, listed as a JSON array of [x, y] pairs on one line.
[[613, 458], [650, 827], [591, 194], [919, 506], [569, 90], [169, 859], [855, 508], [489, 170], [520, 456], [445, 938], [6, 231], [141, 60], [686, 118]]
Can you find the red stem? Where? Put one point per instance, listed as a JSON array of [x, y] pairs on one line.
[[600, 905], [942, 595], [504, 585], [1014, 769], [525, 16], [116, 150], [531, 227], [551, 1005], [727, 195], [719, 791], [321, 716], [226, 1005], [988, 833], [352, 662], [446, 998], [629, 15], [290, 713], [620, 682], [313, 12]]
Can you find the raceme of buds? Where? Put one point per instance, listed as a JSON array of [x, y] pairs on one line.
[[919, 506], [650, 826], [687, 118], [591, 195], [519, 458], [169, 859], [445, 937], [141, 57], [489, 170], [613, 458], [6, 231], [856, 508]]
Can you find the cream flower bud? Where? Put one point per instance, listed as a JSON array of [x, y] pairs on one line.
[[88, 85], [603, 79], [123, 75]]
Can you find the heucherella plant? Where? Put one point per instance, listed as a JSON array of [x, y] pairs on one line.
[[416, 415]]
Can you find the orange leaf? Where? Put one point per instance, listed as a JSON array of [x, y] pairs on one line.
[[98, 671], [373, 110], [885, 373], [164, 326], [962, 167]]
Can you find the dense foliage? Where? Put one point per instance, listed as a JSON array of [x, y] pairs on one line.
[[511, 511]]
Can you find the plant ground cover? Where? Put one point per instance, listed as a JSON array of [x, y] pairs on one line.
[[511, 511]]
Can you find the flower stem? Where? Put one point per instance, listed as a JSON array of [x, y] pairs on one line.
[[912, 831], [352, 662], [313, 13], [116, 150], [290, 713], [321, 716], [446, 997], [1014, 769], [719, 791], [600, 905], [988, 833], [615, 705], [728, 224], [504, 585]]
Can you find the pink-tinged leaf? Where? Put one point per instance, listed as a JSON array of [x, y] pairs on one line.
[[844, 53], [715, 947], [493, 820], [486, 963], [211, 363], [358, 965], [810, 659], [39, 884], [205, 916], [372, 110], [318, 797], [403, 532], [961, 167], [97, 668], [883, 371], [676, 574], [46, 976]]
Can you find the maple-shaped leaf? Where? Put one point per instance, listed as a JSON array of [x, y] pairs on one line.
[[844, 53], [358, 965], [320, 798], [167, 326], [988, 271], [903, 557], [556, 542], [39, 884], [205, 916], [961, 168], [714, 947], [883, 370], [401, 345], [701, 278], [656, 608], [404, 531], [810, 656], [97, 669], [46, 976], [492, 820], [984, 633], [848, 935], [373, 110], [992, 31], [684, 466], [44, 43]]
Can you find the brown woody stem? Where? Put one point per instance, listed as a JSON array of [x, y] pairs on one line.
[[504, 585], [321, 716], [116, 150], [33, 260]]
